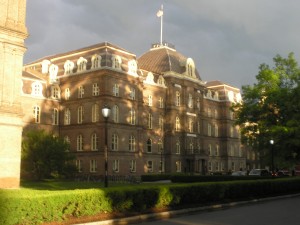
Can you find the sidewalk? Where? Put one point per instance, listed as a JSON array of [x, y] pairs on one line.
[[174, 213]]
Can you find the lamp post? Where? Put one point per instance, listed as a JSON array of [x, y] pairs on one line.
[[105, 113], [161, 160], [272, 155]]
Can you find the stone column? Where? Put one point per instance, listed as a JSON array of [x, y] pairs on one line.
[[12, 35]]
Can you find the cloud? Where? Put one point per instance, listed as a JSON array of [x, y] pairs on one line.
[[228, 39]]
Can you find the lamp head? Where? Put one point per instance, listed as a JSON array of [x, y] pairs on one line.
[[105, 111]]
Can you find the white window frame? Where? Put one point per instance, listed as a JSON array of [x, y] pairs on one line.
[[114, 142], [93, 165], [116, 165], [94, 142], [96, 89]]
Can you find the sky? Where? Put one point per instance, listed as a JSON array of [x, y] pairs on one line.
[[227, 39]]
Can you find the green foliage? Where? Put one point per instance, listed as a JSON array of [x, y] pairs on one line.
[[45, 155], [271, 110], [25, 206]]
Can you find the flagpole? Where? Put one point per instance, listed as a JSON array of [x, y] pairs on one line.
[[161, 26]]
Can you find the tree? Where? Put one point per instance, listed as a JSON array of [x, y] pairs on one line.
[[45, 155], [271, 110]]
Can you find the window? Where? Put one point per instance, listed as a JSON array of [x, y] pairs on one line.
[[232, 166], [131, 143], [79, 165], [116, 90], [209, 166], [222, 166], [96, 61], [55, 117], [81, 64], [161, 81], [67, 93], [94, 142], [116, 165], [231, 131], [209, 150], [68, 66], [95, 113], [115, 114], [132, 165], [216, 113], [177, 102], [79, 143], [161, 122], [149, 121], [150, 166], [55, 93], [191, 125], [198, 103], [209, 129], [161, 102], [217, 166], [67, 140], [36, 114], [79, 115], [149, 146], [199, 127], [216, 130], [150, 100], [132, 116], [114, 142], [53, 70], [93, 165], [80, 92], [178, 147], [160, 146], [190, 101], [217, 153], [132, 67], [191, 147], [177, 124], [96, 89], [37, 89], [178, 166], [132, 94], [209, 112], [67, 116], [116, 62]]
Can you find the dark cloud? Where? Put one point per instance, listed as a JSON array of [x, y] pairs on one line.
[[228, 39]]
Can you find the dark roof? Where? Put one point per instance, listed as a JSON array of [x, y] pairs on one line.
[[163, 59]]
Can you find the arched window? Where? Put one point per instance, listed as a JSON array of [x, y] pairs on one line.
[[67, 140], [132, 67], [79, 142], [67, 116], [81, 64], [178, 147], [209, 129], [80, 92], [53, 70], [161, 122], [190, 101], [114, 142], [96, 61], [190, 67], [150, 121], [149, 145], [177, 124], [132, 116], [68, 66], [115, 113], [55, 117], [216, 130], [94, 142], [177, 102], [116, 62], [79, 114], [67, 93], [45, 66], [191, 125], [55, 92]]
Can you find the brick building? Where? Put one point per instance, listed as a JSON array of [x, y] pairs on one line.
[[164, 117]]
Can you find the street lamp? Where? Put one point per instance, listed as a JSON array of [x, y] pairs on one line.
[[105, 113], [272, 155], [161, 160]]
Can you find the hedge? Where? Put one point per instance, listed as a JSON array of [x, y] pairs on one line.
[[36, 207]]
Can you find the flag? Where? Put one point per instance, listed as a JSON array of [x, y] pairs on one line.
[[159, 13]]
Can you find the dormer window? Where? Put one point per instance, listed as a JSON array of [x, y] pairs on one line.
[[116, 62], [96, 61], [216, 96], [45, 66], [161, 81], [68, 66], [190, 67], [53, 70], [81, 64], [132, 67]]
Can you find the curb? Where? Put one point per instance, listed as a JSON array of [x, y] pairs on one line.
[[168, 214]]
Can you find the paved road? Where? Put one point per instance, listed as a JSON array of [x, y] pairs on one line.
[[275, 212]]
